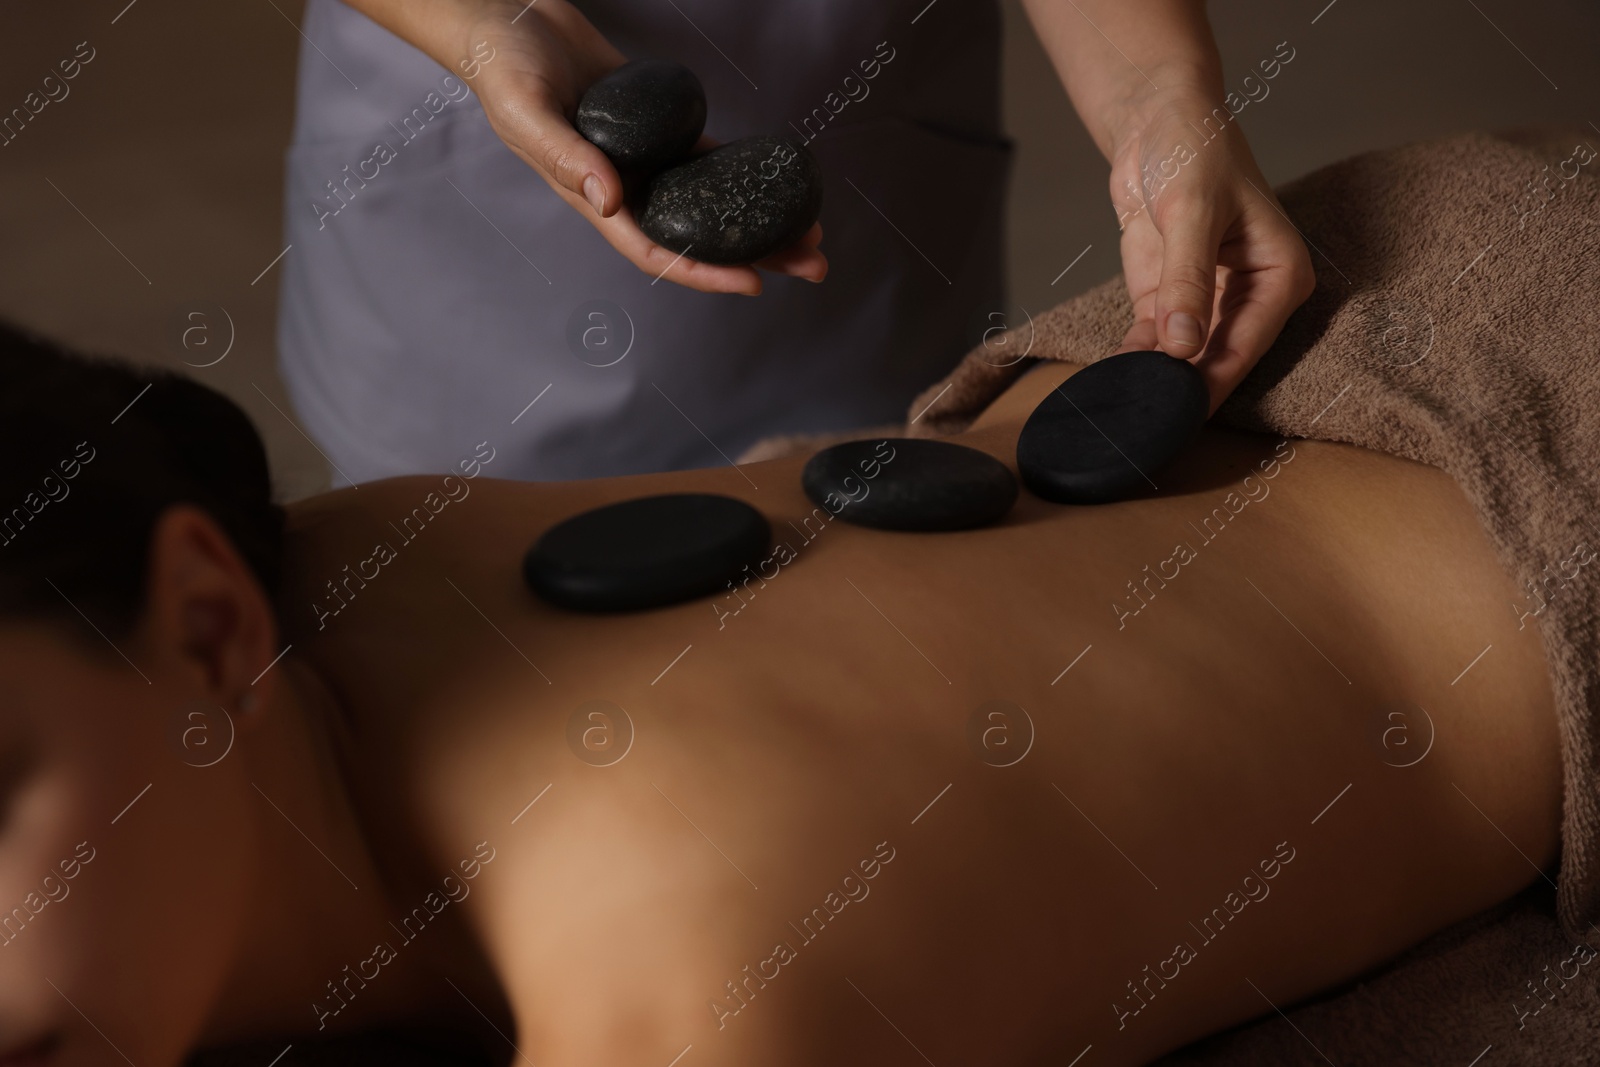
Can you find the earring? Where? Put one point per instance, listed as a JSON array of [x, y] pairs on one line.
[[248, 701]]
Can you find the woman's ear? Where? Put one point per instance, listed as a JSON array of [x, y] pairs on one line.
[[207, 624]]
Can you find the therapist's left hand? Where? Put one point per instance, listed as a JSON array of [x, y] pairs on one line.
[[1213, 266]]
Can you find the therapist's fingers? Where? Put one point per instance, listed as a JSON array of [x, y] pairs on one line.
[[534, 126], [1190, 235], [617, 225], [544, 59], [664, 265], [1141, 269], [803, 259], [1269, 277], [1141, 337], [1250, 315], [613, 218], [1265, 275]]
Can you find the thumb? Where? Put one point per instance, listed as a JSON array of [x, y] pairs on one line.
[[543, 136], [1188, 282]]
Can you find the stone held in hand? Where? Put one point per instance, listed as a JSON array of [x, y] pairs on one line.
[[736, 204], [1105, 432], [902, 483], [645, 553], [645, 115]]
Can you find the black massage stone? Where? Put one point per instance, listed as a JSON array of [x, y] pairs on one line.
[[646, 553], [904, 483], [644, 115], [1107, 430], [738, 203]]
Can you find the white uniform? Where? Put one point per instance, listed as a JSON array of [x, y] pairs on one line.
[[436, 286]]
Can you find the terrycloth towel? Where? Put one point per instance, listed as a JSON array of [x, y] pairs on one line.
[[1505, 979], [1456, 322]]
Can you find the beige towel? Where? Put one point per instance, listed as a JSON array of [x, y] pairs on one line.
[[1456, 322]]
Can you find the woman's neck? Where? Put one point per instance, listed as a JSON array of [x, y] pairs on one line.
[[320, 904]]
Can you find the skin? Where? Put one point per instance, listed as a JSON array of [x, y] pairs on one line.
[[1212, 736], [1213, 266]]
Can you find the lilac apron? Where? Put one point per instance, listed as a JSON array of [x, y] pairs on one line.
[[435, 287]]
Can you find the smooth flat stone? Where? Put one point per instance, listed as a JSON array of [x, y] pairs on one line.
[[903, 483], [738, 203], [644, 115], [646, 553], [1106, 432]]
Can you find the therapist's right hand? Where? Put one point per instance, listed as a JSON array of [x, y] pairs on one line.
[[529, 63]]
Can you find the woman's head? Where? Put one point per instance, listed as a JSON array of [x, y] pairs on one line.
[[138, 549], [94, 452]]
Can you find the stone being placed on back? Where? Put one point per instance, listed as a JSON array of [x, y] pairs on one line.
[[1104, 433]]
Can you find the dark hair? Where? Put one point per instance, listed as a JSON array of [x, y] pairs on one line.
[[94, 451]]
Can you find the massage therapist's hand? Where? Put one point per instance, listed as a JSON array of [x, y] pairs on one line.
[[1212, 265], [529, 64]]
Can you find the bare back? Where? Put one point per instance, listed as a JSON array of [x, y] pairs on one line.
[[1114, 776]]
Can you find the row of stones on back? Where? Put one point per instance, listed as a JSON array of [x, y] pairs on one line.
[[738, 203], [1099, 437]]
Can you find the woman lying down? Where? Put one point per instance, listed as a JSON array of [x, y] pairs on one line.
[[920, 798]]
